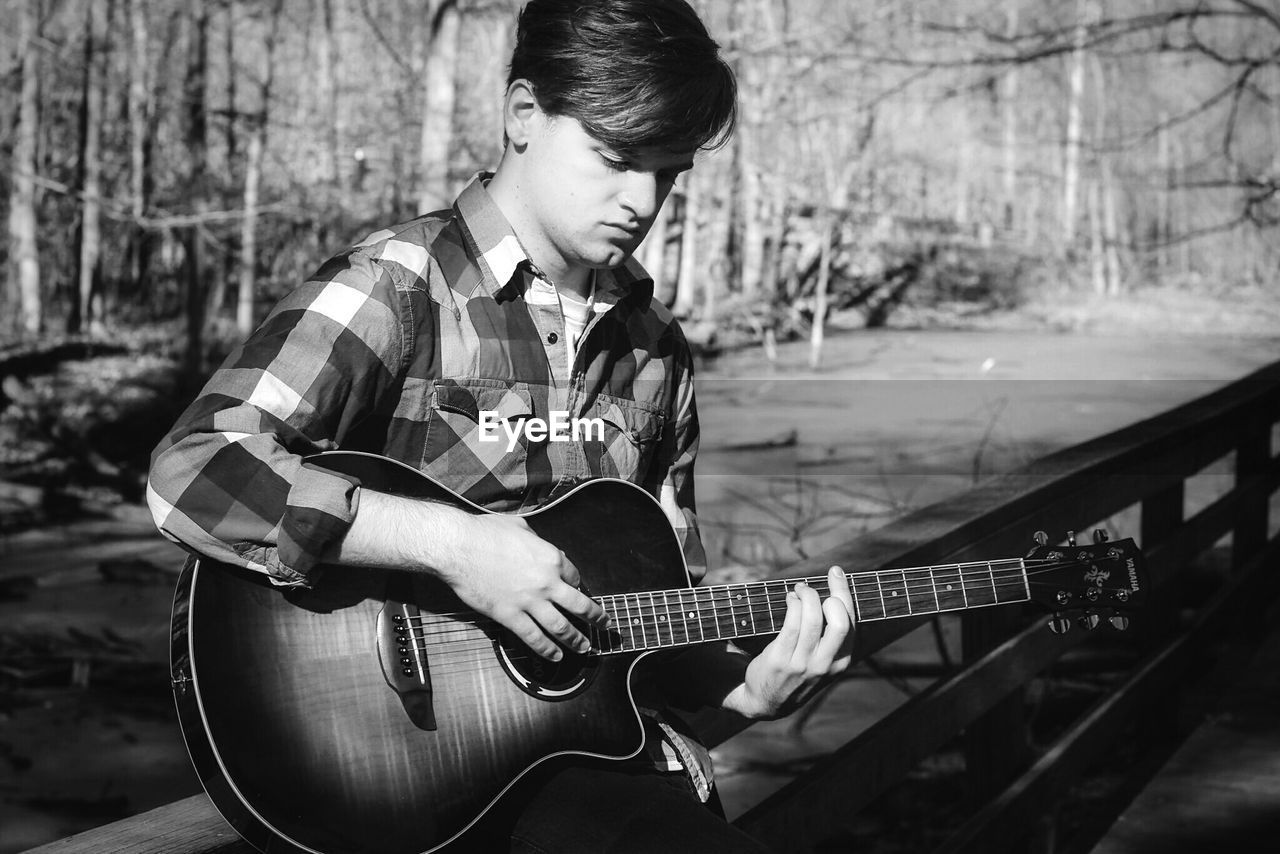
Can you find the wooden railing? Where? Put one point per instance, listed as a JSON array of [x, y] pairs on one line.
[[1145, 466]]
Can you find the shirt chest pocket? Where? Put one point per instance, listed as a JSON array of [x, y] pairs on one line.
[[625, 435], [469, 445]]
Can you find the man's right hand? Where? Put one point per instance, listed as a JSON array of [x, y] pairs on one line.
[[502, 569], [496, 564]]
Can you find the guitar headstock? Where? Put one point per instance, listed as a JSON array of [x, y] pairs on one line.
[[1097, 583]]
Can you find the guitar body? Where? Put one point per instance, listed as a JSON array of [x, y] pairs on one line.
[[368, 714]]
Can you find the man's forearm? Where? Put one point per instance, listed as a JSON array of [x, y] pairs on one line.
[[401, 533]]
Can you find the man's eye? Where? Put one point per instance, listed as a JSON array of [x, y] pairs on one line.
[[615, 164]]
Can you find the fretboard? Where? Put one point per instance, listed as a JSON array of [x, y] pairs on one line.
[[692, 615]]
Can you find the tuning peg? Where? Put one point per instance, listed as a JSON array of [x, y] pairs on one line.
[[1119, 622], [1041, 538], [1100, 536], [1089, 621], [1071, 538], [1059, 624]]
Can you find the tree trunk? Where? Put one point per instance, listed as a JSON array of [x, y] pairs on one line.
[[439, 93], [233, 115], [1010, 128], [1106, 187], [139, 141], [88, 265], [1097, 264], [1164, 208], [24, 314], [1075, 128], [252, 177], [828, 234], [653, 256], [329, 54], [687, 280], [196, 133]]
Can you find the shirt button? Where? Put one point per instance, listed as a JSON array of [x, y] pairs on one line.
[[552, 338]]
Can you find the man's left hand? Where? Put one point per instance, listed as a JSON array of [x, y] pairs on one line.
[[814, 644]]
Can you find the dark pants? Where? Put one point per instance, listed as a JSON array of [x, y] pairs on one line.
[[605, 808]]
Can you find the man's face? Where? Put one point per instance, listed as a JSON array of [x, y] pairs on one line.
[[593, 205]]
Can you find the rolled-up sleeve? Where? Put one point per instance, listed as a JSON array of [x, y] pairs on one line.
[[680, 451], [229, 481]]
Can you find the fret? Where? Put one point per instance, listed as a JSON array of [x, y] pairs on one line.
[[884, 609], [1011, 583], [707, 596], [919, 591], [751, 608], [948, 584], [933, 582], [625, 622], [995, 593], [733, 617], [638, 620], [768, 598], [657, 621], [681, 619], [736, 603], [977, 586], [895, 590], [601, 638]]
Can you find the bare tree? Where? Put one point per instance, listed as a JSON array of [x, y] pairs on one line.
[[195, 87], [438, 90], [253, 178], [23, 290], [88, 266]]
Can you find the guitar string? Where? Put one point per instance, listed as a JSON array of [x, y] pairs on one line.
[[452, 660], [436, 631], [482, 642], [749, 604], [636, 608], [617, 643], [870, 578], [458, 660]]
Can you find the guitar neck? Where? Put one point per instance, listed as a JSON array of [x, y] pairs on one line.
[[681, 617]]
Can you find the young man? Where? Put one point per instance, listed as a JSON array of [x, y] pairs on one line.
[[522, 301]]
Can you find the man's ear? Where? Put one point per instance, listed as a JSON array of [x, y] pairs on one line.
[[520, 112]]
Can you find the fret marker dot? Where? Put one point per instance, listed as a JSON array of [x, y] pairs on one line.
[[743, 623], [948, 586], [636, 621], [662, 619], [893, 592]]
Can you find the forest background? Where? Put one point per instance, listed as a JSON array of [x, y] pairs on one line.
[[169, 168], [187, 162]]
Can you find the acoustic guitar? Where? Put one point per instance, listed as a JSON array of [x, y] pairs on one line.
[[375, 713]]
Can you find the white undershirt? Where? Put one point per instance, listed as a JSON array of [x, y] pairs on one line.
[[577, 311]]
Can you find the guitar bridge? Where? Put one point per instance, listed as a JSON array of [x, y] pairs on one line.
[[402, 651]]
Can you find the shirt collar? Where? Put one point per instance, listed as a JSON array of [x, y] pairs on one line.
[[501, 256]]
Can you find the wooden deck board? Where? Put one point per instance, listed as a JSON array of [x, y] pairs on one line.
[[1220, 791], [183, 827]]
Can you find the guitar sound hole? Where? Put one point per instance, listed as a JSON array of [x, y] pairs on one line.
[[547, 680]]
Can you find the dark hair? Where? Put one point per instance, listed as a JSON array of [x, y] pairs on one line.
[[635, 73]]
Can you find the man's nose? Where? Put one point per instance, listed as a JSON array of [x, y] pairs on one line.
[[640, 196]]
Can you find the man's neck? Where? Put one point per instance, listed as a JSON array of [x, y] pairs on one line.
[[505, 191]]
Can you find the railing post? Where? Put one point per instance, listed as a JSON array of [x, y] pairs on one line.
[[1162, 515], [1253, 457], [996, 747]]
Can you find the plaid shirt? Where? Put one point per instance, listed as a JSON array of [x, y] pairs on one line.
[[395, 347]]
